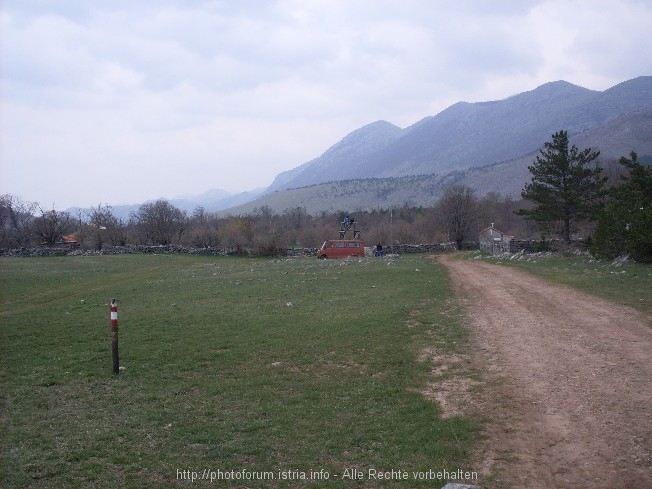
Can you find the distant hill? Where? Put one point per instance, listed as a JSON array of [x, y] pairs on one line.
[[215, 200], [470, 135], [338, 162], [353, 195], [614, 139], [211, 201]]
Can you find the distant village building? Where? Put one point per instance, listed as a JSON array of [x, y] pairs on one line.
[[69, 240], [493, 241]]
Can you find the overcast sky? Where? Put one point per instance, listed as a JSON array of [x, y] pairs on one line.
[[122, 101]]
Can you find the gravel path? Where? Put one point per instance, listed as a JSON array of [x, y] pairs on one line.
[[568, 381]]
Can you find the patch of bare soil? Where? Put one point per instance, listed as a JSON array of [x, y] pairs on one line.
[[567, 382]]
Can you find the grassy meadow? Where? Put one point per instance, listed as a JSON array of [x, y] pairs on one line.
[[276, 367]]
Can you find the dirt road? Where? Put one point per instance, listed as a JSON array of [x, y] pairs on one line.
[[568, 378]]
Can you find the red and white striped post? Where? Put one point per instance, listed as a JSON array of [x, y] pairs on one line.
[[114, 336]]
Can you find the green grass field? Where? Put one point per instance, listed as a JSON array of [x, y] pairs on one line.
[[283, 368]]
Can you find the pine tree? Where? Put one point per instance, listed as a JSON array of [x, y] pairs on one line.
[[625, 223], [565, 187]]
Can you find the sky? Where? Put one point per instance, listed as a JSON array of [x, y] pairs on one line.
[[111, 102]]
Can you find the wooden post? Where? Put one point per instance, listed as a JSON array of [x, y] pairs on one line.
[[114, 336]]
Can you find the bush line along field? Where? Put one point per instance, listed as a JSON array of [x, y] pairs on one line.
[[236, 364]]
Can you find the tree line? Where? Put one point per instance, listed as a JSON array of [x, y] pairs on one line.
[[457, 216], [571, 190], [571, 195]]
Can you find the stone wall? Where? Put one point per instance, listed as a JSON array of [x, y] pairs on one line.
[[113, 250], [176, 249], [554, 245], [401, 249]]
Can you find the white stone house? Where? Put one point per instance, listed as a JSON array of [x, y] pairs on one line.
[[493, 241]]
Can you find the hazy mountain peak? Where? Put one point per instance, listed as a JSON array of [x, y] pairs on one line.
[[368, 138], [641, 84], [341, 157], [552, 92], [560, 86]]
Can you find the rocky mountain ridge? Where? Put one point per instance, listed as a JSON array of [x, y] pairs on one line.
[[470, 135], [486, 145]]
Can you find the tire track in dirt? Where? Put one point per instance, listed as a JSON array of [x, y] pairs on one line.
[[568, 376]]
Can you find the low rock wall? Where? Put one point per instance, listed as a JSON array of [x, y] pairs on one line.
[[176, 249], [554, 245]]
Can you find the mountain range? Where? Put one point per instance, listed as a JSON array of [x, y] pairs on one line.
[[486, 145]]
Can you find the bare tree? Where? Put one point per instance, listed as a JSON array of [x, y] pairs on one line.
[[52, 225], [160, 221], [459, 212], [499, 209], [230, 234], [202, 229], [16, 218], [103, 226]]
